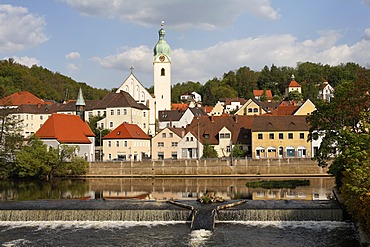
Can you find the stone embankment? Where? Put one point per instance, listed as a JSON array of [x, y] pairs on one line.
[[208, 167]]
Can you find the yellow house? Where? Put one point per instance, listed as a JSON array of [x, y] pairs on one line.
[[280, 137], [305, 109]]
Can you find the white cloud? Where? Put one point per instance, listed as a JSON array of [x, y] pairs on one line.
[[72, 67], [367, 34], [366, 2], [27, 61], [177, 13], [19, 29], [73, 55], [281, 50]]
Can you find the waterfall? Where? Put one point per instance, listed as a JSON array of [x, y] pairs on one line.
[[310, 214], [95, 215]]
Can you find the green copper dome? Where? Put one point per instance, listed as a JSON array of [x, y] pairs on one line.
[[162, 47]]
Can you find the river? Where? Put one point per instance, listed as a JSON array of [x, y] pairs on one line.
[[173, 233]]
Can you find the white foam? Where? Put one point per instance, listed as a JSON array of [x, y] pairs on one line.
[[16, 242], [329, 225], [199, 237], [40, 225]]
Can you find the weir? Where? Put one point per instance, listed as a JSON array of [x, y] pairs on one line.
[[202, 216]]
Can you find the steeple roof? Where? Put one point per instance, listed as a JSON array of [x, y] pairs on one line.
[[80, 99], [162, 46]]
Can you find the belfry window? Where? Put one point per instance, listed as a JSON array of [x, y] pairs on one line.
[[163, 72]]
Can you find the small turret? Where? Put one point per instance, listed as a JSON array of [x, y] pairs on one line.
[[80, 105]]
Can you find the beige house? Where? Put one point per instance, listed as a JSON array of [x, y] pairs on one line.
[[305, 109], [165, 143], [217, 110], [32, 117], [118, 108], [280, 137], [127, 142]]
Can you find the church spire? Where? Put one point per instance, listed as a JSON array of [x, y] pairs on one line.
[[80, 105]]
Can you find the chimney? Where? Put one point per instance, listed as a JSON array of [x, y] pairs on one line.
[[236, 118]]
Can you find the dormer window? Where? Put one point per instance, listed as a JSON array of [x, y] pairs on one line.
[[206, 136]]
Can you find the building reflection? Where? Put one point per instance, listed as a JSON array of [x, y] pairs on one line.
[[193, 188]]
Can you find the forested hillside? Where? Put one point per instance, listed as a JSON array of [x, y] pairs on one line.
[[43, 83], [46, 84], [241, 82]]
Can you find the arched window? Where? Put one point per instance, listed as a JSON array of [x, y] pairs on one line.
[[163, 72], [142, 97], [126, 88]]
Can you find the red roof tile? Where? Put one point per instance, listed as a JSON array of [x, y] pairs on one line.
[[66, 129], [293, 83], [127, 131], [259, 93], [179, 106], [20, 98]]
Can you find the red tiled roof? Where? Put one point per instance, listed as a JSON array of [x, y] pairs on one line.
[[20, 98], [208, 109], [284, 110], [127, 131], [293, 83], [179, 106], [259, 93], [66, 129]]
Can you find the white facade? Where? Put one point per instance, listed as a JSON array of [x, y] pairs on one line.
[[117, 115], [190, 147], [162, 82], [125, 149], [137, 91], [86, 151]]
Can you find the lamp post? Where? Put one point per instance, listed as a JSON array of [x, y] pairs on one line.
[[100, 150], [198, 139]]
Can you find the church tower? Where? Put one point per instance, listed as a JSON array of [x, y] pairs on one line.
[[162, 73]]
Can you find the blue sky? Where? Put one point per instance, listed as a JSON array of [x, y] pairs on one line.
[[97, 41]]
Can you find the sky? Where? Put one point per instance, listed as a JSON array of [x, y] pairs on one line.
[[97, 41]]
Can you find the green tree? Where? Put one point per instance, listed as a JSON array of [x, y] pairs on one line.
[[99, 132], [10, 139], [237, 151], [295, 95], [38, 160], [209, 151]]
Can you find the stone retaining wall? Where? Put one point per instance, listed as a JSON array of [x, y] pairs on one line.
[[206, 167]]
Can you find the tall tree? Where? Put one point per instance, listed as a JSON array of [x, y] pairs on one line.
[[10, 139]]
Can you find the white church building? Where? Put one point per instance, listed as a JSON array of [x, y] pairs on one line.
[[162, 83]]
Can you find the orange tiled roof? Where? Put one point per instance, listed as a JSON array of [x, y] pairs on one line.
[[20, 98], [127, 131], [66, 129], [179, 106], [208, 109], [259, 93], [293, 83]]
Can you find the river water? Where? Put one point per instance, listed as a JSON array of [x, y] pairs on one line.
[[107, 233], [127, 233]]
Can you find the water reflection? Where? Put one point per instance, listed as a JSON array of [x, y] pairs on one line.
[[160, 189]]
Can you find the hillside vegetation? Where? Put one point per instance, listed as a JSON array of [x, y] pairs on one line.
[[43, 83]]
